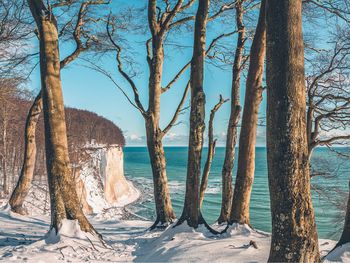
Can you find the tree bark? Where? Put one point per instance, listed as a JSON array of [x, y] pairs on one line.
[[294, 235], [26, 176], [231, 136], [5, 154], [63, 196], [164, 210], [247, 139], [191, 211], [345, 236]]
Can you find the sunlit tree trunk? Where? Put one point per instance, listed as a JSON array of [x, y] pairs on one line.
[[191, 212], [164, 209], [231, 136], [247, 139], [26, 176], [294, 235], [63, 196]]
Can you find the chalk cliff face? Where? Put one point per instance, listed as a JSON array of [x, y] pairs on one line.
[[100, 180]]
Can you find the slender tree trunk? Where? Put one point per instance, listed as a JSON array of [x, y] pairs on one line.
[[4, 159], [247, 139], [211, 151], [164, 209], [191, 211], [294, 235], [231, 139], [63, 196], [26, 176], [345, 237]]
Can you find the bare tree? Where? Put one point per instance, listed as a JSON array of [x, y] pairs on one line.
[[26, 176], [294, 235], [161, 20], [247, 139], [83, 36], [328, 95], [191, 210], [63, 196], [328, 113], [231, 139], [14, 36], [8, 88]]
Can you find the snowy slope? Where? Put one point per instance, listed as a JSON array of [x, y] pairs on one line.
[[22, 239]]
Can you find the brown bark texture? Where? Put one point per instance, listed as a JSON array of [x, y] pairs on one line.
[[63, 197], [164, 209], [191, 212], [345, 236], [247, 138], [26, 176], [294, 235], [231, 137]]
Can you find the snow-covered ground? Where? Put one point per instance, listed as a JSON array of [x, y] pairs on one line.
[[25, 239], [126, 238]]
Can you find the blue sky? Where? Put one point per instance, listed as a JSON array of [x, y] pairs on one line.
[[86, 89]]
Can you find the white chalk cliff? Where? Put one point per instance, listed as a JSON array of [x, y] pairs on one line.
[[100, 180]]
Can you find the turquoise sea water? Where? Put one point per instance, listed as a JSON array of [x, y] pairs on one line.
[[329, 191]]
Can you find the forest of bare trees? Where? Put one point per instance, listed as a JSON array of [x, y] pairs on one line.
[[306, 88]]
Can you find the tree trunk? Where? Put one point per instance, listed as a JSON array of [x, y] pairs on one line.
[[26, 176], [231, 139], [63, 196], [164, 210], [247, 139], [294, 235], [211, 151], [345, 236], [5, 156], [191, 212]]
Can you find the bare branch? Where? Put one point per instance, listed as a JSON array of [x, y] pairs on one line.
[[211, 150], [211, 18], [178, 110], [177, 76], [183, 69], [124, 74], [109, 76]]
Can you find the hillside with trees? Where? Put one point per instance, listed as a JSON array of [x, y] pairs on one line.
[[83, 127]]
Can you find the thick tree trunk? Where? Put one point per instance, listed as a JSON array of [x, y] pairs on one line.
[[63, 196], [26, 176], [164, 209], [191, 211], [294, 235], [247, 139], [345, 236], [231, 136]]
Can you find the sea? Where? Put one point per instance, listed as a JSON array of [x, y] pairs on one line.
[[329, 184]]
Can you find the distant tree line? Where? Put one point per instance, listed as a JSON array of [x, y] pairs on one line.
[[83, 127]]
